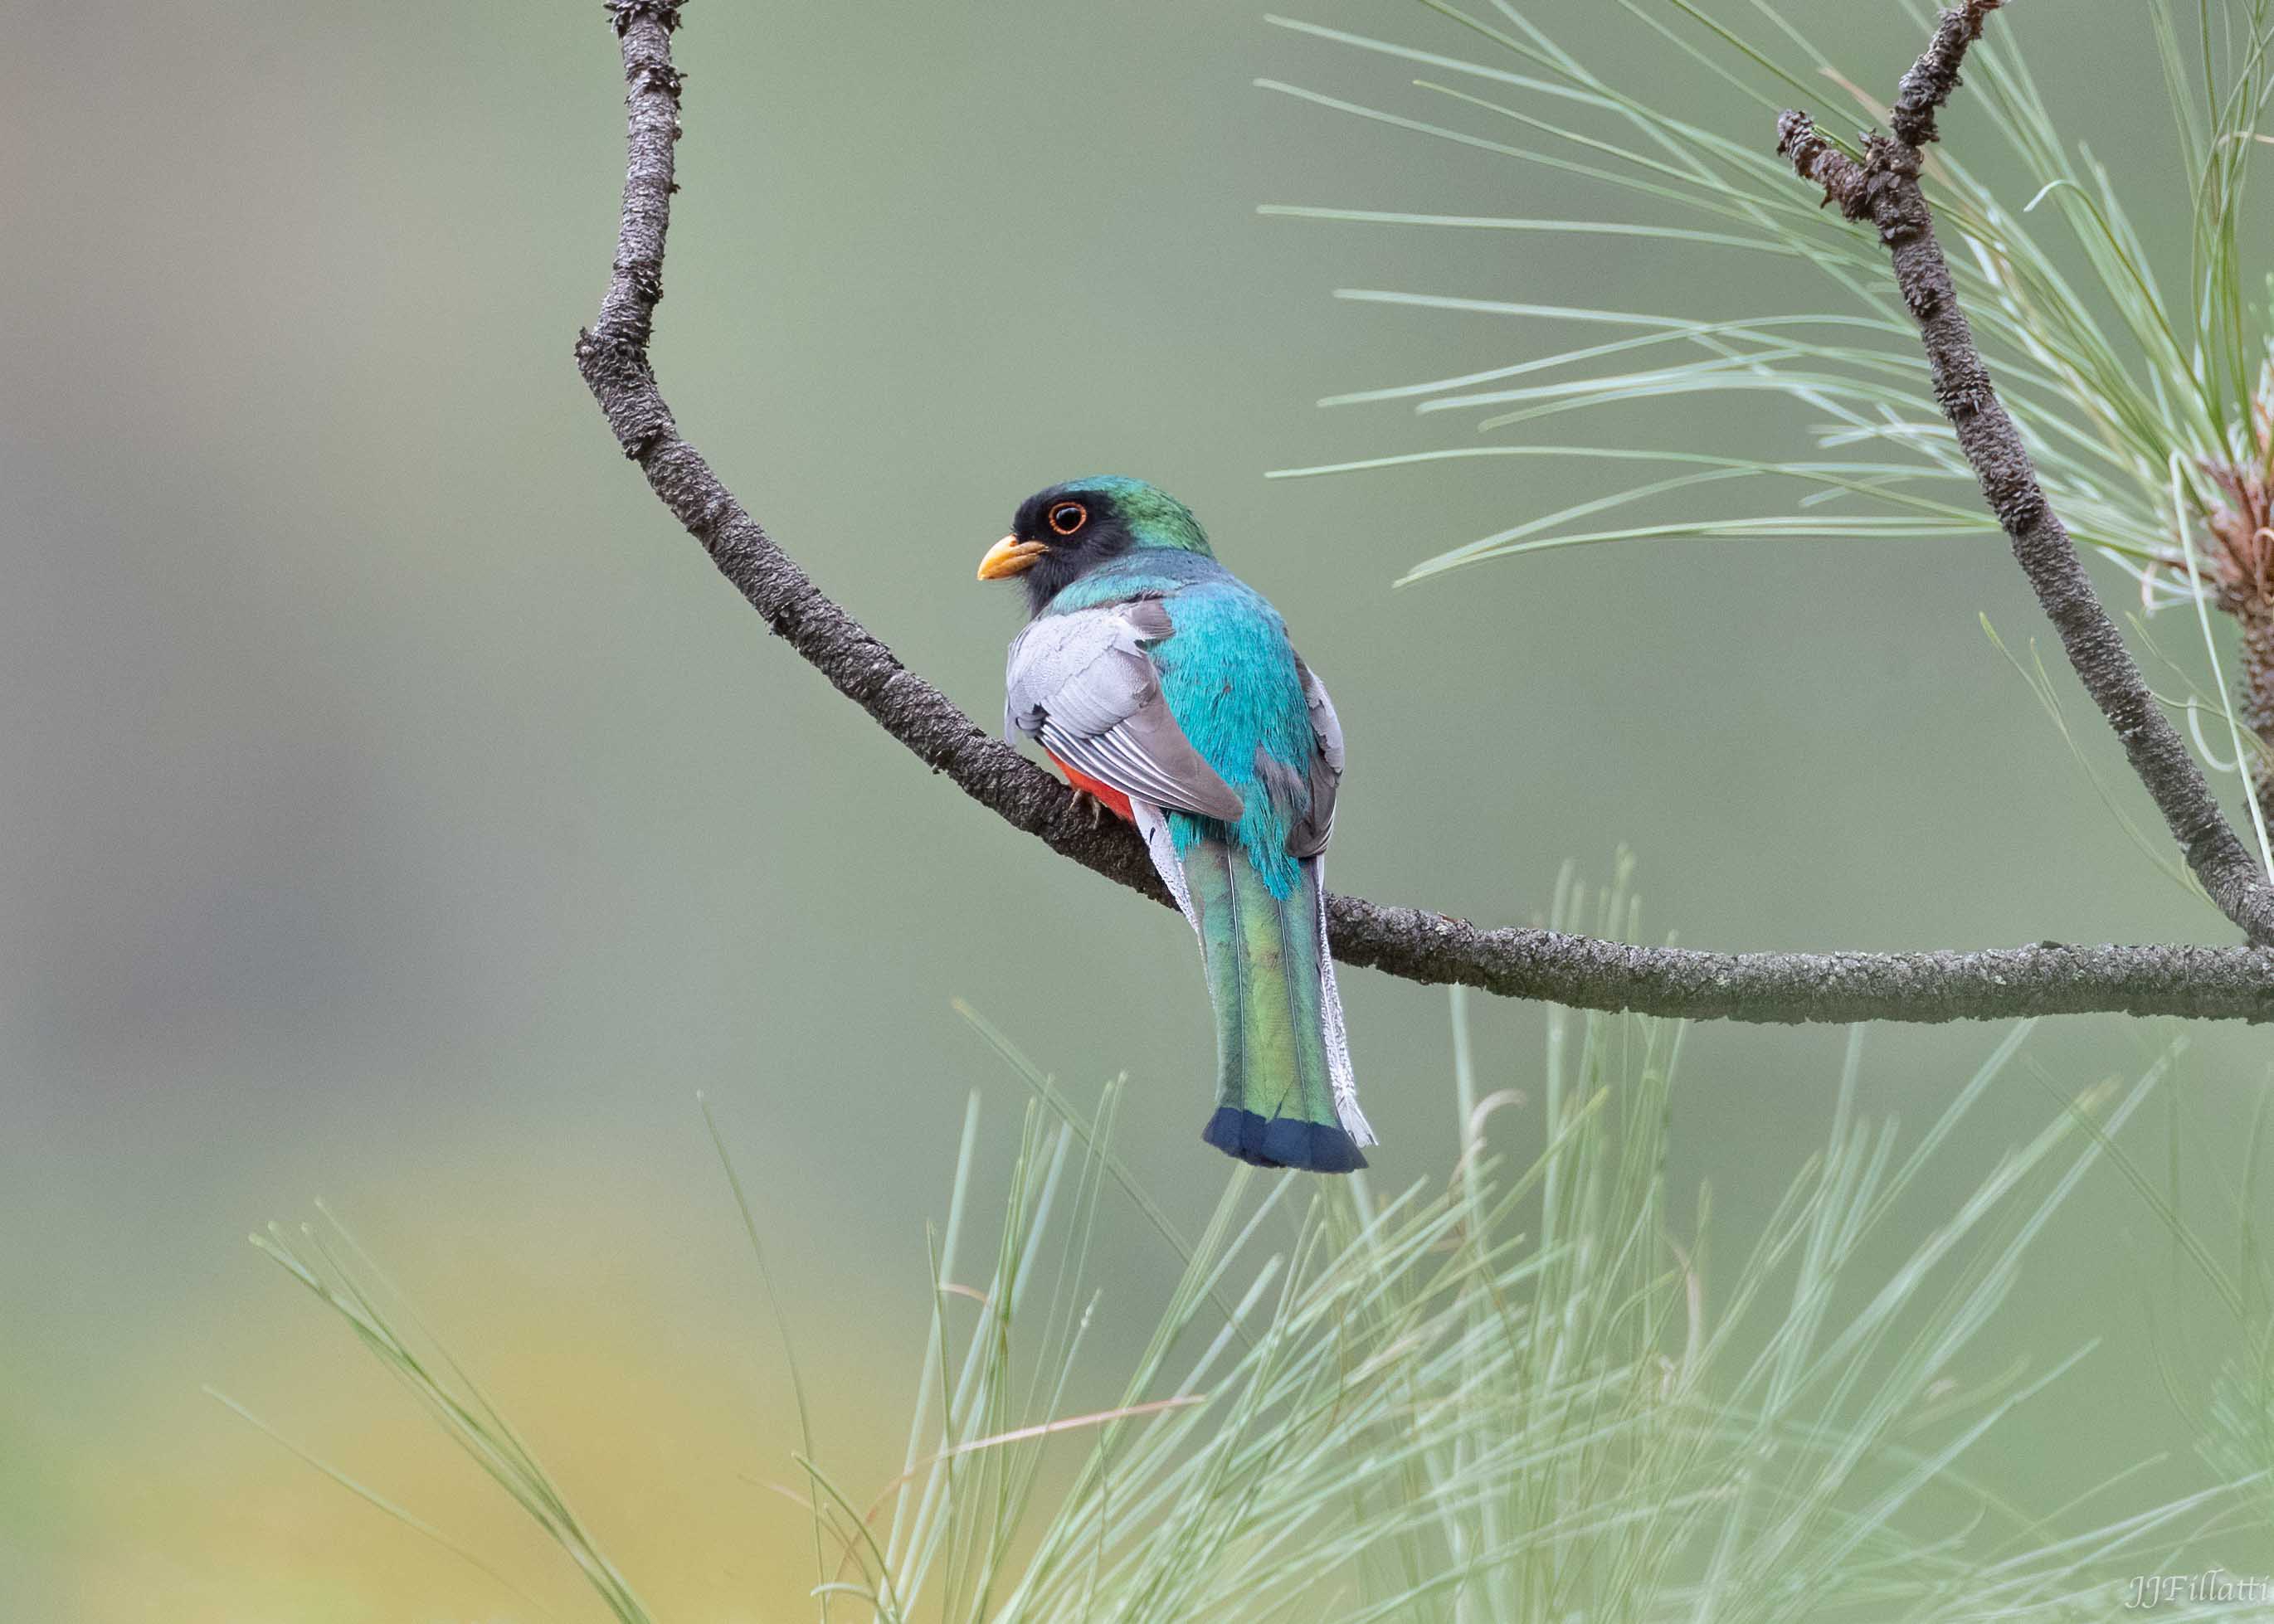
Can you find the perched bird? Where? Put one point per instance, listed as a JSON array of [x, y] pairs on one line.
[[1166, 687]]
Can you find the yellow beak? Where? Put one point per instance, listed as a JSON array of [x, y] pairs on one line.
[[1010, 557]]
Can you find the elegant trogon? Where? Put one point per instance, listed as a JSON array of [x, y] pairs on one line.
[[1167, 689]]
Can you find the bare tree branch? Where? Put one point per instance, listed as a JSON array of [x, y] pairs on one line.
[[2050, 978], [1883, 190]]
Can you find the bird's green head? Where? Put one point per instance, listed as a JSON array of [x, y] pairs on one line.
[[1063, 532]]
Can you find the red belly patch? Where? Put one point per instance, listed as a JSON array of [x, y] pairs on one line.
[[1111, 799]]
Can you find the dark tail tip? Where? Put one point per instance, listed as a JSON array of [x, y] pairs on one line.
[[1282, 1141]]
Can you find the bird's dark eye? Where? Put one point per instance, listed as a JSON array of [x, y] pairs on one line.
[[1068, 517]]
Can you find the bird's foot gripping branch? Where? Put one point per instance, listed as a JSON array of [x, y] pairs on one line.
[[2047, 978]]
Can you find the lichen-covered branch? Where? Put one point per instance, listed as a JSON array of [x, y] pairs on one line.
[[1884, 190], [2049, 978]]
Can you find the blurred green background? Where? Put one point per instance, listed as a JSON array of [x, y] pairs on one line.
[[398, 810]]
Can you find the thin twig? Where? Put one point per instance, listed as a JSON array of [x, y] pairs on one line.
[[2221, 983], [1884, 190]]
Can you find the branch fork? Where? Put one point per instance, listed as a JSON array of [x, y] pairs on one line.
[[1884, 190]]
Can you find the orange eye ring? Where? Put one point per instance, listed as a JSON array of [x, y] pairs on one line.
[[1068, 517]]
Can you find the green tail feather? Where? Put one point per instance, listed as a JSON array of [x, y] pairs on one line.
[[1274, 1088]]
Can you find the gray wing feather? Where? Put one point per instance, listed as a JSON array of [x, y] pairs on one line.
[[1082, 685], [1310, 835]]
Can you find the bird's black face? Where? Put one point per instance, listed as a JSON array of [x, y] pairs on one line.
[[1056, 536]]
